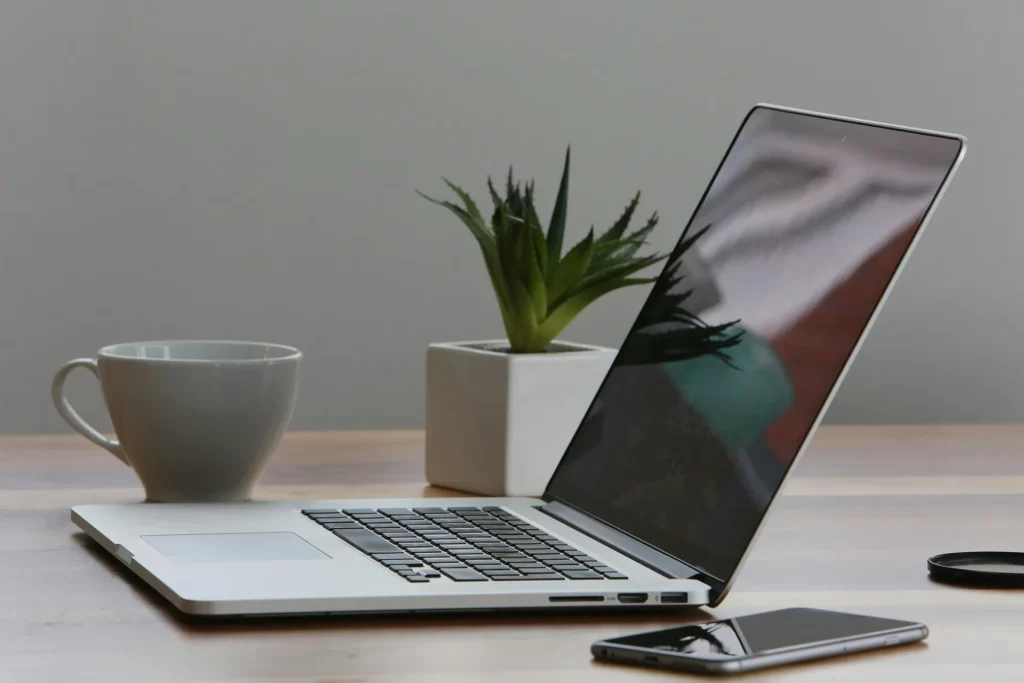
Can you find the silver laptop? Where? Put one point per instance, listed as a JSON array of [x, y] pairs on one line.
[[658, 498]]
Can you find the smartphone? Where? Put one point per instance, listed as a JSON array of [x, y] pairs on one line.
[[758, 641]]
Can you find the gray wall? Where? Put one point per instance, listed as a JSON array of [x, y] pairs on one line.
[[245, 169]]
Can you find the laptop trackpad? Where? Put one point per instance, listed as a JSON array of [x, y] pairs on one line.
[[248, 547]]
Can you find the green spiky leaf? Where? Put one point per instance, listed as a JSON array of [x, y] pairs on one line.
[[556, 229], [566, 311], [487, 247], [619, 227], [572, 269]]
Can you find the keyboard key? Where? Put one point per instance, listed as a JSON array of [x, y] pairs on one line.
[[615, 575], [367, 541], [519, 564], [430, 574], [466, 574], [582, 576], [416, 578], [341, 525], [536, 570], [554, 557], [569, 567], [530, 577], [402, 563], [464, 509], [426, 511], [319, 511], [394, 511], [498, 571], [448, 565], [359, 511], [492, 508], [381, 557]]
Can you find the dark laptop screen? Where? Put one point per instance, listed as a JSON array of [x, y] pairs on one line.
[[747, 330]]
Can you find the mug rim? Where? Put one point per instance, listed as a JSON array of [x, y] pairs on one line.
[[288, 353]]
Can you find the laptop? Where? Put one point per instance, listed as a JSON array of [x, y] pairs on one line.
[[659, 496]]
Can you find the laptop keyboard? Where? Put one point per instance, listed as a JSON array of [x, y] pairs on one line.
[[461, 543]]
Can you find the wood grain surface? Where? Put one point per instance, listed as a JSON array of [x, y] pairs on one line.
[[865, 509]]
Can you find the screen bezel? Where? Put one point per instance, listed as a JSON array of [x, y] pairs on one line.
[[721, 586]]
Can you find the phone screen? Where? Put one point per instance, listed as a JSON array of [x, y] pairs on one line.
[[759, 633]]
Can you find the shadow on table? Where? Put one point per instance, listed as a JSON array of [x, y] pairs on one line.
[[233, 625]]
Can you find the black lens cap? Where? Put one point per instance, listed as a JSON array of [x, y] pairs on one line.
[[980, 569]]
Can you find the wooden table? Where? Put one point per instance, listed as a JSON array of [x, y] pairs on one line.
[[866, 508]]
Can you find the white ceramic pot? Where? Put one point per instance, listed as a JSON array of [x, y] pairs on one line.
[[497, 422]]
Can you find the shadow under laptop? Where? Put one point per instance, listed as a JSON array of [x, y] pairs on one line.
[[640, 617]]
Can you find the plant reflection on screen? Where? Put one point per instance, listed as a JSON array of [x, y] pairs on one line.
[[666, 331]]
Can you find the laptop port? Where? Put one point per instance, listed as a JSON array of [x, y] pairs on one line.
[[675, 598], [633, 598], [576, 598]]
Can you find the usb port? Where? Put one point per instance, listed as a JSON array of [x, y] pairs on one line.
[[633, 598], [675, 598]]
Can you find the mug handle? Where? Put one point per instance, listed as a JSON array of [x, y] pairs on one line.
[[60, 401]]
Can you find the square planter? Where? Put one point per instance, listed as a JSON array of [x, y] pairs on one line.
[[498, 423]]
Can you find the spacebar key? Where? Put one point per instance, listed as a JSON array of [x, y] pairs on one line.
[[367, 541]]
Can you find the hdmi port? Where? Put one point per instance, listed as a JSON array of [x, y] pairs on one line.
[[632, 598]]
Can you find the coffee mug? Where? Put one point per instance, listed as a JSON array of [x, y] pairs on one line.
[[196, 420]]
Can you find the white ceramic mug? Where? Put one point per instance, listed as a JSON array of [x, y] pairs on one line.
[[196, 420]]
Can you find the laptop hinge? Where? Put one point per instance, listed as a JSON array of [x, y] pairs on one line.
[[625, 544]]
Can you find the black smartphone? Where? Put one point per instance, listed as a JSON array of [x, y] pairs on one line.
[[758, 641]]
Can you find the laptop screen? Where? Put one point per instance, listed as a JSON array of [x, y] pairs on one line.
[[748, 329]]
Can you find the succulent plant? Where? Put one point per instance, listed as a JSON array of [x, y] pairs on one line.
[[540, 290]]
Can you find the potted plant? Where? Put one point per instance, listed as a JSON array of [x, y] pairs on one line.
[[500, 413]]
